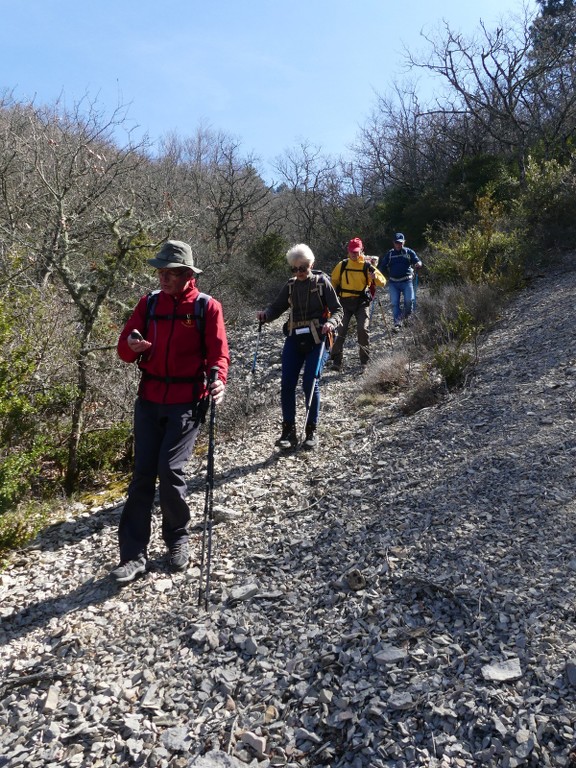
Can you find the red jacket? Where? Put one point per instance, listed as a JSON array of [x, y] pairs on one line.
[[176, 351]]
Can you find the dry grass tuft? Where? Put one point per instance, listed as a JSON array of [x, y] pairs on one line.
[[425, 393], [384, 376]]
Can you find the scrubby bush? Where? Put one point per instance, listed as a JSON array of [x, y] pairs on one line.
[[269, 251], [103, 452], [21, 524], [425, 392], [452, 312], [483, 252], [386, 374], [545, 207], [453, 362]]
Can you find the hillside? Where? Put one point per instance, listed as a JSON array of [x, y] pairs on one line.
[[405, 596]]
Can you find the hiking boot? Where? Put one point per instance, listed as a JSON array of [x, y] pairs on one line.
[[288, 438], [128, 570], [311, 440], [336, 362], [179, 554]]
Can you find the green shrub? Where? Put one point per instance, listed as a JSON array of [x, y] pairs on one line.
[[453, 363], [450, 312], [269, 252], [461, 328], [104, 451], [450, 358], [18, 471], [16, 371], [21, 524], [546, 205], [481, 253]]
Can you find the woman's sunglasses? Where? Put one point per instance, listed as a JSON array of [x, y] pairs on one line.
[[302, 268]]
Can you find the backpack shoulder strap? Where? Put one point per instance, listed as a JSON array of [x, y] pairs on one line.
[[321, 280], [151, 301], [344, 267], [320, 277], [200, 305], [403, 253], [291, 282], [200, 316]]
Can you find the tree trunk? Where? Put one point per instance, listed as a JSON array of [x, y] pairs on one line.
[[77, 423]]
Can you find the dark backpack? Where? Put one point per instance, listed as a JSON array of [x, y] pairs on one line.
[[321, 280], [199, 315], [365, 292]]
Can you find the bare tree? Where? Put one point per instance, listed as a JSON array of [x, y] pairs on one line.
[[494, 81], [552, 61], [77, 223], [306, 175], [226, 187]]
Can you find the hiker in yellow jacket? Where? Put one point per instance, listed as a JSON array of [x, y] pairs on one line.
[[355, 280]]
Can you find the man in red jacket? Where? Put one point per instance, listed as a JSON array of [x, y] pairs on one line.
[[176, 347]]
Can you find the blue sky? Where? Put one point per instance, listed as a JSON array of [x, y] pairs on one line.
[[271, 74]]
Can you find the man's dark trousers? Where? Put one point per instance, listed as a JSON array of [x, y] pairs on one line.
[[164, 437]]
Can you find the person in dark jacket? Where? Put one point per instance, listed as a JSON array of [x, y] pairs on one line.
[[175, 347], [401, 265], [315, 312]]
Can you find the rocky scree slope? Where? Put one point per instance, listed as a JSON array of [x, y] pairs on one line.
[[404, 596]]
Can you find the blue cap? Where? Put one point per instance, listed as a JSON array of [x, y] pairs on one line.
[[399, 237]]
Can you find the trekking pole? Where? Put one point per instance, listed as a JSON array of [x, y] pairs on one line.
[[372, 289], [316, 377], [385, 321], [253, 369], [415, 286], [208, 499]]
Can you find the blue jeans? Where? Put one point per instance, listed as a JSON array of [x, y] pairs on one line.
[[405, 289], [164, 436], [293, 358]]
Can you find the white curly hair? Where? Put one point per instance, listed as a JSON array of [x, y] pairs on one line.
[[300, 252]]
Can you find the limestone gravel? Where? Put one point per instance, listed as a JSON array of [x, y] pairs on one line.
[[404, 596]]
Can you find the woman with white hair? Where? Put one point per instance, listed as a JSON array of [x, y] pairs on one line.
[[314, 313]]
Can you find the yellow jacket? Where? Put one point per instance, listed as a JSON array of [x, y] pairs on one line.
[[351, 278]]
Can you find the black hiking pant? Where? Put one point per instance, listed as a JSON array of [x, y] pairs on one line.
[[164, 437], [359, 309]]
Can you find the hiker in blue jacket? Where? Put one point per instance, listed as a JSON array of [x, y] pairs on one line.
[[401, 265]]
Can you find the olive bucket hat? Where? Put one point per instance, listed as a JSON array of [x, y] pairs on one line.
[[173, 254]]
